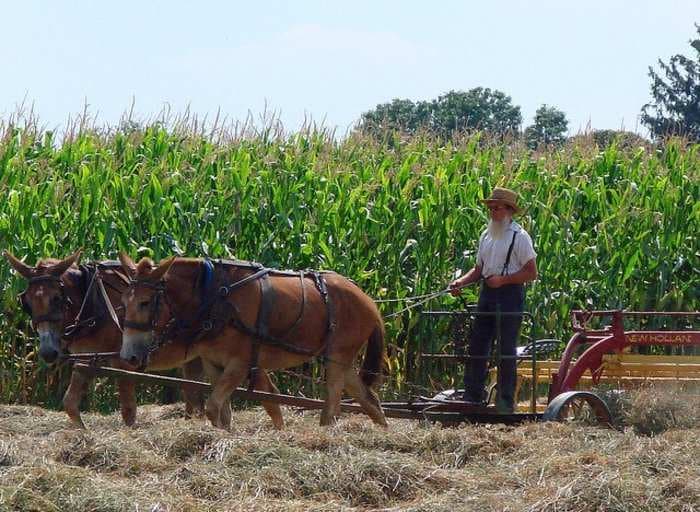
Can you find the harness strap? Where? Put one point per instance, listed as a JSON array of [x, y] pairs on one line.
[[267, 299], [303, 302], [269, 339], [330, 312], [208, 322], [115, 268], [510, 251], [91, 275], [108, 303], [206, 298], [77, 323], [225, 290]]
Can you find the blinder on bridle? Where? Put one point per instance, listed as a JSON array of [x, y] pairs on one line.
[[151, 323], [56, 310], [22, 297]]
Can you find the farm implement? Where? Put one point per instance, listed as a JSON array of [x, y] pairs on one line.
[[556, 389], [442, 408], [611, 354], [601, 351]]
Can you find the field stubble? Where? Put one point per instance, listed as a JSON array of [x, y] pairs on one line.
[[169, 463]]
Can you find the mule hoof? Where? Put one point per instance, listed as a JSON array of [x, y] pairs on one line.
[[77, 423], [213, 417], [328, 421], [129, 418]]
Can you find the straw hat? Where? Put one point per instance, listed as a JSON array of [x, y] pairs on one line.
[[505, 196]]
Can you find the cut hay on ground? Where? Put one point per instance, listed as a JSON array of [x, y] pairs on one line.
[[169, 463]]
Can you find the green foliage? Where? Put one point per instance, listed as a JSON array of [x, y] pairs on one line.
[[675, 108], [623, 140], [456, 111], [403, 115], [478, 108], [549, 128], [612, 228]]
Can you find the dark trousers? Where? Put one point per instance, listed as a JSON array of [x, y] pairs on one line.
[[510, 298]]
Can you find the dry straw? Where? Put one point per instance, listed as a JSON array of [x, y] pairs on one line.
[[168, 463]]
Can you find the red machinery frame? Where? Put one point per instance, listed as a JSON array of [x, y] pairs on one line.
[[612, 338]]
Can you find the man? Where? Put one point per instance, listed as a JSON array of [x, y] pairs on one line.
[[505, 261]]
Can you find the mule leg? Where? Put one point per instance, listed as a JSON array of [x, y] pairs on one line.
[[335, 382], [127, 401], [194, 399], [263, 383], [219, 401], [365, 396], [213, 373], [225, 415], [71, 400]]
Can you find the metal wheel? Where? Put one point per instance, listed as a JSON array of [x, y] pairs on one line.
[[578, 406]]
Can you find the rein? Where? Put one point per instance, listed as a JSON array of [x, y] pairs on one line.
[[424, 298]]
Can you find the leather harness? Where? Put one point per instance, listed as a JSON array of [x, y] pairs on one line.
[[216, 311], [95, 298], [92, 289]]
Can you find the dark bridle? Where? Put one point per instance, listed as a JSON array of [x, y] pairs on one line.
[[152, 323], [56, 310], [59, 309]]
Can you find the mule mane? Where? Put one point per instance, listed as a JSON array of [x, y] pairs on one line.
[[45, 264], [144, 268]]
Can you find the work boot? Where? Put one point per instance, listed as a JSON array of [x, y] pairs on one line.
[[480, 396], [472, 400], [504, 407]]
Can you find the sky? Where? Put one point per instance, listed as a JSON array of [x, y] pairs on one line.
[[331, 61]]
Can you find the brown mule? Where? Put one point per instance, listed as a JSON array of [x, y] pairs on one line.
[[68, 312], [254, 318]]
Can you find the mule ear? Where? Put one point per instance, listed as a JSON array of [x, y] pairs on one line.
[[59, 268], [22, 269], [161, 269], [127, 264]]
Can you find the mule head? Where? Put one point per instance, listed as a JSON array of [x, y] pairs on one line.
[[45, 300], [145, 309]]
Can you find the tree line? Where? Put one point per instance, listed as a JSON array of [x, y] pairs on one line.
[[673, 110]]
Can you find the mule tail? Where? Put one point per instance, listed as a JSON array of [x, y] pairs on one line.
[[375, 358]]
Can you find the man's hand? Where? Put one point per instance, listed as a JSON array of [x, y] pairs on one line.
[[456, 287], [470, 277], [496, 281]]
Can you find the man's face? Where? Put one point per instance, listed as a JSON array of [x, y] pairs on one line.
[[499, 212]]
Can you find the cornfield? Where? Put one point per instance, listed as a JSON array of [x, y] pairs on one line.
[[613, 227]]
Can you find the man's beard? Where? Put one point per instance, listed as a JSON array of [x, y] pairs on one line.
[[496, 229]]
